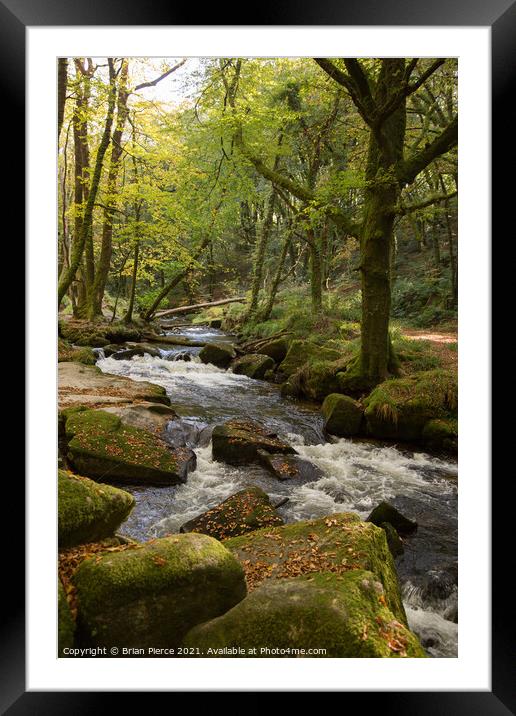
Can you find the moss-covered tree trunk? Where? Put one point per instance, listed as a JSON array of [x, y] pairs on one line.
[[62, 81], [315, 271], [259, 256], [102, 270]]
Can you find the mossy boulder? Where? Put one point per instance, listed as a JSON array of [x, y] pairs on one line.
[[441, 435], [301, 352], [97, 334], [218, 354], [400, 408], [152, 594], [344, 614], [393, 539], [276, 348], [290, 467], [87, 385], [247, 510], [67, 352], [385, 512], [253, 365], [87, 511], [342, 415], [65, 621], [237, 442], [104, 448], [337, 543]]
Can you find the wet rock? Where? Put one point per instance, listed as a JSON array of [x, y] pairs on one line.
[[338, 543], [218, 354], [215, 323], [253, 365], [342, 414], [153, 417], [289, 467], [276, 349], [393, 539], [88, 386], [384, 512], [344, 614], [184, 433], [87, 511], [243, 512], [139, 349], [150, 595], [237, 442], [104, 448], [183, 355], [441, 435]]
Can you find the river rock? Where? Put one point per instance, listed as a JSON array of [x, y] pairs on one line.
[[441, 435], [137, 349], [243, 512], [66, 352], [150, 595], [337, 543], [253, 365], [302, 351], [84, 333], [218, 354], [88, 386], [104, 448], [237, 442], [153, 417], [215, 323], [345, 614], [393, 539], [400, 408], [65, 622], [290, 467], [87, 511], [384, 512], [183, 432], [276, 349], [342, 415]]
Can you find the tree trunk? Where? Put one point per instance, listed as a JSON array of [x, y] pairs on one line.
[[259, 256], [128, 318], [315, 272], [104, 262], [62, 81], [266, 311], [68, 276]]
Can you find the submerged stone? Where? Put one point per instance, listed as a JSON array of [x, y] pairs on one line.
[[384, 512], [150, 595], [247, 510], [87, 511], [343, 615], [237, 442]]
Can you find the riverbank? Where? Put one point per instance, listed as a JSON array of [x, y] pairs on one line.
[[202, 395]]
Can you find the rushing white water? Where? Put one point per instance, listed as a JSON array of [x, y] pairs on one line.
[[357, 475]]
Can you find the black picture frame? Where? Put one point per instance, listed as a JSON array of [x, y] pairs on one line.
[[500, 15]]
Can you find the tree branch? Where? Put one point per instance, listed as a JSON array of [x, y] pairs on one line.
[[403, 210], [161, 77], [408, 169]]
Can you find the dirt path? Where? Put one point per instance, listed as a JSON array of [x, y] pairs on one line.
[[442, 344]]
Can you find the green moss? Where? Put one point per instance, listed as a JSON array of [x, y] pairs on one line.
[[67, 352], [87, 511], [219, 354], [247, 510], [152, 594], [343, 415], [399, 408], [84, 333], [102, 447], [338, 543], [303, 351], [65, 622], [344, 614], [393, 539], [441, 434], [253, 365]]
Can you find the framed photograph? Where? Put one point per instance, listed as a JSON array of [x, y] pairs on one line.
[[271, 245]]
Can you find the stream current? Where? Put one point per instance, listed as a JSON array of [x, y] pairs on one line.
[[357, 475]]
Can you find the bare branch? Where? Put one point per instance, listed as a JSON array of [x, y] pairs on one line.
[[161, 77]]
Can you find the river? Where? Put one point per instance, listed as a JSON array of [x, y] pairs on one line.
[[357, 475]]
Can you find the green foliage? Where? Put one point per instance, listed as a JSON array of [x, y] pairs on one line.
[[424, 300]]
